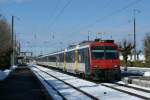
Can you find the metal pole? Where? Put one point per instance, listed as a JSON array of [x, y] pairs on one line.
[[88, 35], [15, 49], [134, 12], [134, 37], [12, 31]]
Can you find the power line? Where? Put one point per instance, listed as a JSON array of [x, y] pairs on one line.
[[59, 14], [104, 6], [115, 28], [55, 8], [110, 15], [107, 3], [67, 4]]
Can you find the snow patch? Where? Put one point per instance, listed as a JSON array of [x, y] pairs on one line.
[[14, 66], [147, 73], [96, 90], [4, 74]]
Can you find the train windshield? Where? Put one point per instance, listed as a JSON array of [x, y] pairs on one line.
[[104, 52]]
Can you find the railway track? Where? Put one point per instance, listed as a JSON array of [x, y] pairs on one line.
[[82, 93], [134, 91], [100, 89], [133, 87]]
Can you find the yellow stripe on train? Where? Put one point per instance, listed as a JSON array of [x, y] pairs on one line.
[[65, 65]]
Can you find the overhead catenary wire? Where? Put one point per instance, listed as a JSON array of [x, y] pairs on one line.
[[55, 9], [59, 14], [117, 27], [110, 15], [96, 21], [104, 6]]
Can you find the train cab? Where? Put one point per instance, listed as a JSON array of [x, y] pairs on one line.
[[105, 61]]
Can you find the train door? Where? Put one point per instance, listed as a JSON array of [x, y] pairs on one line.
[[87, 61], [84, 61]]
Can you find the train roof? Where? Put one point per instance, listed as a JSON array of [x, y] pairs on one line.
[[81, 45]]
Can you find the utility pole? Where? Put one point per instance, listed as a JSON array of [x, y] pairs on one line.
[[35, 38], [134, 35], [13, 53], [134, 30]]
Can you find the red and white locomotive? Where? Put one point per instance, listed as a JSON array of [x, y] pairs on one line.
[[96, 60]]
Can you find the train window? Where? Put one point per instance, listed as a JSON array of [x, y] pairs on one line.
[[73, 56], [45, 59], [110, 48], [70, 56], [83, 55], [108, 52], [104, 48], [111, 54], [61, 56], [98, 54], [67, 57], [86, 54], [57, 58], [79, 58], [52, 58], [98, 48]]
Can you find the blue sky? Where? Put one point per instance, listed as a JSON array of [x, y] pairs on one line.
[[44, 26]]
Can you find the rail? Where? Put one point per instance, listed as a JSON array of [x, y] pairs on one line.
[[85, 93], [114, 86]]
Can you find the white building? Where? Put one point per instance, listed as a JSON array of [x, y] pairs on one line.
[[141, 57]]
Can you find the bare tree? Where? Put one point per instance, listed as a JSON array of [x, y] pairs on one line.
[[5, 43], [147, 48], [138, 52], [125, 49]]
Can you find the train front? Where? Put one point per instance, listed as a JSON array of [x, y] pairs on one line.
[[105, 63]]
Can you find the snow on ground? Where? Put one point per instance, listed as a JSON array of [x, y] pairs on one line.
[[147, 73], [4, 74], [102, 92], [51, 91], [134, 85], [145, 94], [14, 67], [67, 91]]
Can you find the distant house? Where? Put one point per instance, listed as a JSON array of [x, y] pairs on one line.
[[141, 57]]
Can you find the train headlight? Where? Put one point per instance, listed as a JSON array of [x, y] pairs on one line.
[[116, 66], [95, 66]]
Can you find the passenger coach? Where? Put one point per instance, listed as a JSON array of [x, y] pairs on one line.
[[96, 60]]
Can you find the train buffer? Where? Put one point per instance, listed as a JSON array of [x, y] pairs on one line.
[[21, 84]]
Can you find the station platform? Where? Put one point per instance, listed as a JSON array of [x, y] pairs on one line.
[[22, 84]]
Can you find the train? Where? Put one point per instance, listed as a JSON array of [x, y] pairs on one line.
[[96, 60]]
